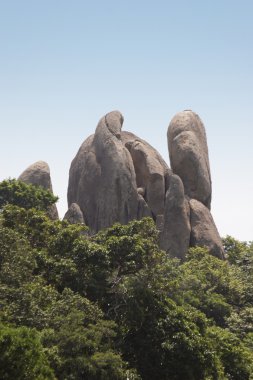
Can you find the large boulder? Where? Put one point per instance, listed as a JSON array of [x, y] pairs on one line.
[[39, 174], [118, 177], [152, 172], [102, 177], [74, 214], [175, 234], [203, 230], [189, 155]]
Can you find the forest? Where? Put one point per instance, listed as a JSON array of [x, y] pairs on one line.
[[113, 306]]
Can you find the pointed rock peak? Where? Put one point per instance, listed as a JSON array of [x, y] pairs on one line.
[[102, 179], [113, 121], [37, 174]]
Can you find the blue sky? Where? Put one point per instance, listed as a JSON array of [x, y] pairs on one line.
[[64, 64]]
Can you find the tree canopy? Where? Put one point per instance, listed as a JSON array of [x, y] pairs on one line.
[[113, 305]]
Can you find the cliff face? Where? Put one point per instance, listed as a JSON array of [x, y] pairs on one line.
[[118, 177]]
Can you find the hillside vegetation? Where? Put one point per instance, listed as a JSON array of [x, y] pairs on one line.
[[113, 306]]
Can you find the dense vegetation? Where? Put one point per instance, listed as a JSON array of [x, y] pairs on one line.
[[113, 306]]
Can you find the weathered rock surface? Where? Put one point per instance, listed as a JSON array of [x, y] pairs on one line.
[[102, 178], [118, 177], [74, 214], [151, 171], [143, 209], [39, 174], [189, 155], [175, 236], [203, 230]]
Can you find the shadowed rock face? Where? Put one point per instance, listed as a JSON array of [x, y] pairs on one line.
[[175, 236], [39, 174], [203, 230], [152, 172], [189, 155], [74, 214]]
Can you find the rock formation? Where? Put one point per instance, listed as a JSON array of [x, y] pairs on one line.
[[102, 178], [189, 159], [203, 230], [118, 177], [74, 214], [152, 172], [39, 174], [189, 155], [175, 234]]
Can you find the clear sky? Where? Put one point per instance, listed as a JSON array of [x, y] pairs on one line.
[[64, 64]]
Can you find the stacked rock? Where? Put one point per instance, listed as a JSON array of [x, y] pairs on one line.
[[118, 177], [189, 160]]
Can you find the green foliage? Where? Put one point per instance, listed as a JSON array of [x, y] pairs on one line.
[[25, 195], [234, 249], [113, 306], [77, 352], [235, 359], [17, 260], [240, 254], [165, 340], [22, 356], [33, 224], [211, 285]]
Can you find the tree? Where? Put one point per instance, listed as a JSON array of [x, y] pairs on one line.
[[114, 306], [210, 285], [25, 195], [22, 356], [234, 357], [234, 249]]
